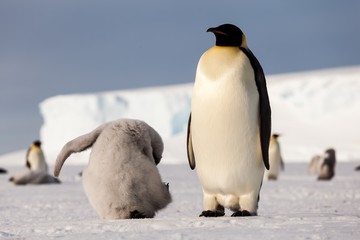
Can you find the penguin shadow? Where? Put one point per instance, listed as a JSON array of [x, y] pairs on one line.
[[323, 165], [36, 168]]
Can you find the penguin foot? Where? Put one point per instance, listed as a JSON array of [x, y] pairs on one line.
[[243, 213], [137, 214], [209, 213]]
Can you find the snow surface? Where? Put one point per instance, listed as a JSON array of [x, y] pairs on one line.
[[312, 110], [294, 207]]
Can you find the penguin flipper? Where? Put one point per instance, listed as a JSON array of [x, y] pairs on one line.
[[78, 144], [265, 110], [190, 151]]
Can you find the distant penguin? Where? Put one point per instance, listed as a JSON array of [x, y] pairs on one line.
[[38, 169], [229, 126], [35, 159], [3, 171], [324, 166], [275, 160], [121, 180], [327, 170], [33, 177]]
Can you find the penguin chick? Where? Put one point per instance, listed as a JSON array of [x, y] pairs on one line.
[[35, 159], [121, 180], [315, 164], [229, 126], [275, 159]]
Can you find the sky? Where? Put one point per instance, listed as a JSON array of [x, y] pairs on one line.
[[57, 47]]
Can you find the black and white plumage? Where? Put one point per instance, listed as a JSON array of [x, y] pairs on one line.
[[37, 172], [230, 124], [35, 159], [275, 159], [121, 179], [324, 165]]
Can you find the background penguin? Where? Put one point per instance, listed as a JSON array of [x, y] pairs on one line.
[[229, 126], [35, 159], [3, 171], [275, 160], [324, 166], [327, 169], [38, 169], [33, 177], [121, 179]]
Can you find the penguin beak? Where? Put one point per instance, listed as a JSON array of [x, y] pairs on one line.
[[216, 31]]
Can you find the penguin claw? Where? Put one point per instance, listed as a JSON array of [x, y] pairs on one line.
[[209, 213], [243, 213]]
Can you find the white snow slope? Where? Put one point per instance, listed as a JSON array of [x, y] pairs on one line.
[[312, 111]]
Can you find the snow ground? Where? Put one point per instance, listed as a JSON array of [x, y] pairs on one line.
[[294, 207]]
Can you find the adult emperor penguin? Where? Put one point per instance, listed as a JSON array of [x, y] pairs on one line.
[[229, 126], [121, 179], [35, 159], [275, 159]]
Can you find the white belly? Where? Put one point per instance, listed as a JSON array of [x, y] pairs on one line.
[[37, 160], [274, 160], [225, 131]]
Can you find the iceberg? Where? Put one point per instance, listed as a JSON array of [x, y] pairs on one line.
[[312, 110]]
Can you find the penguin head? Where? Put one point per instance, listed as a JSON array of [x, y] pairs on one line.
[[330, 153], [228, 35], [276, 135], [37, 143]]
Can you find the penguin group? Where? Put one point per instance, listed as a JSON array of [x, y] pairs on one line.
[[37, 169], [324, 165], [229, 143]]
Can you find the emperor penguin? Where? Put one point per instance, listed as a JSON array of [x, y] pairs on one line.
[[229, 125], [37, 172], [324, 166], [275, 159], [35, 159], [121, 180]]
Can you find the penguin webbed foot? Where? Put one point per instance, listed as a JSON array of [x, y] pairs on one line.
[[136, 215], [209, 213], [243, 213]]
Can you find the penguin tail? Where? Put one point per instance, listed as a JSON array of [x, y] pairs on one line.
[[76, 145]]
